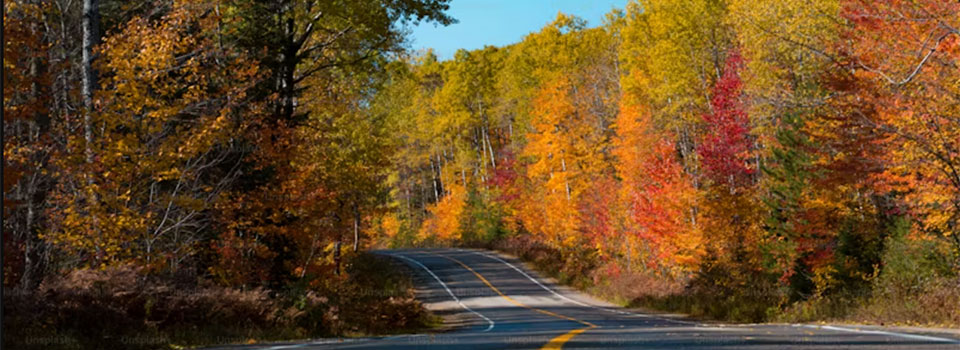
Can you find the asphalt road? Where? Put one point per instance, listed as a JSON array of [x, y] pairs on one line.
[[492, 302]]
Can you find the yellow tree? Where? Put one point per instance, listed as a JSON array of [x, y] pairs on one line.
[[168, 112], [563, 148], [673, 52], [552, 212], [787, 45], [443, 225]]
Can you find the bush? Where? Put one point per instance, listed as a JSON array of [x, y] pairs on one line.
[[722, 291], [916, 285], [379, 298], [625, 287], [121, 308]]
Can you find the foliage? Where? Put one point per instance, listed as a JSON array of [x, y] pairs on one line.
[[225, 148], [751, 158], [761, 153]]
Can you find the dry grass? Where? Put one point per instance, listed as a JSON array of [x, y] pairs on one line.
[[121, 308], [934, 304]]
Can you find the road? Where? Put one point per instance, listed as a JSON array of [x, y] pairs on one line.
[[495, 303]]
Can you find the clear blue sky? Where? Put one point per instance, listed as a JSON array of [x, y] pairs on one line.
[[502, 22]]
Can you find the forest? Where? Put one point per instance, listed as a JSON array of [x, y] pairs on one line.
[[744, 160]]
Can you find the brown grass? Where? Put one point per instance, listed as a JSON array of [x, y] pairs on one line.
[[122, 308]]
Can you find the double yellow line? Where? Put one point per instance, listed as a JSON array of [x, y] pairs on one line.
[[555, 343]]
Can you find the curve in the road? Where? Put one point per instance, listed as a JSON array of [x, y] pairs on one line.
[[555, 343], [444, 285], [499, 288], [564, 297]]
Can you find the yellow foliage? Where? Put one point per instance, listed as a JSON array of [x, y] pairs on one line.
[[444, 222], [390, 226], [672, 53], [168, 106]]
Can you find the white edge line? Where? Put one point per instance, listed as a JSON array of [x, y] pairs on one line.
[[318, 342], [834, 328], [576, 301], [444, 285], [879, 332]]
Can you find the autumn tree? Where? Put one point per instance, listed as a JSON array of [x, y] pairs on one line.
[[153, 190], [677, 50], [915, 75], [661, 228], [26, 148], [300, 46], [724, 150]]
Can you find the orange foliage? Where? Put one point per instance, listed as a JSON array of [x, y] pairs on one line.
[[915, 90], [444, 224], [659, 195]]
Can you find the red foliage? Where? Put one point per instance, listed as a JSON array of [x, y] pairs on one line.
[[725, 143], [505, 178], [597, 209]]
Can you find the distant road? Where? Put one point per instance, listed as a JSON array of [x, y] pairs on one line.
[[495, 303]]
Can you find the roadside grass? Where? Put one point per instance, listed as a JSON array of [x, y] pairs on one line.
[[635, 289], [935, 304], [911, 290], [121, 308]]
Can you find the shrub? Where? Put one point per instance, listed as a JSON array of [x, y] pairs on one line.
[[625, 287], [917, 284], [122, 308]]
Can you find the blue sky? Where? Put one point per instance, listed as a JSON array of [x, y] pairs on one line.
[[502, 22]]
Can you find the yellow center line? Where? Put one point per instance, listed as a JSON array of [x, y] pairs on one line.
[[555, 343]]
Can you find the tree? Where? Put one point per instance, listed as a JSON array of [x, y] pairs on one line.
[[790, 176], [561, 157], [660, 200], [26, 150], [916, 99], [164, 154], [301, 45], [91, 37], [673, 53], [724, 151]]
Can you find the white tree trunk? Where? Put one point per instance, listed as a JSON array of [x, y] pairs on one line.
[[91, 37]]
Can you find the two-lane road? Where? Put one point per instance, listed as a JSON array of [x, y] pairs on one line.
[[500, 305]]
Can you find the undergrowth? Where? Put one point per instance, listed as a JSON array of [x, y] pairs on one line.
[[123, 308]]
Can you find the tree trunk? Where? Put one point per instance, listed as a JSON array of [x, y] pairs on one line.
[[289, 61], [356, 227], [486, 136], [443, 190], [91, 37], [481, 167], [434, 172], [566, 180], [29, 186]]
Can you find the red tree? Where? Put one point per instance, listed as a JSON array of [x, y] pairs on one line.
[[723, 149]]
